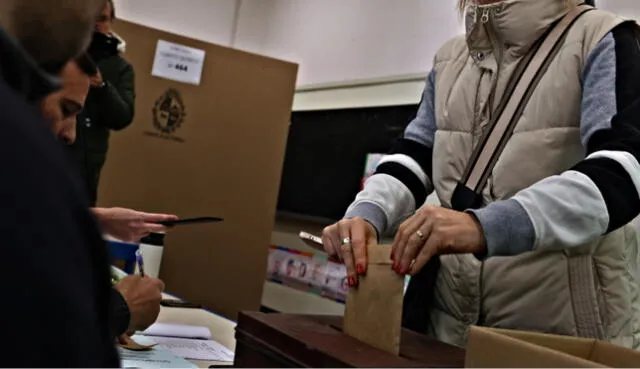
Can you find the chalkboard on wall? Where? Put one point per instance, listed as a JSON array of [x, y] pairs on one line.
[[326, 155]]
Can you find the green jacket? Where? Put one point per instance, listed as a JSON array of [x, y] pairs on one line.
[[107, 108]]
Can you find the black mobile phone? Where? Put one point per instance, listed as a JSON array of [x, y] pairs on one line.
[[171, 223], [179, 304]]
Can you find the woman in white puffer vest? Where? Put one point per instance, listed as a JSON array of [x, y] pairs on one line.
[[550, 248]]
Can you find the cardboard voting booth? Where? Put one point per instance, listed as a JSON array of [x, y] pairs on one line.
[[208, 139]]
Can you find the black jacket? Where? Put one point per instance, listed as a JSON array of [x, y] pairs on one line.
[[56, 287], [107, 108]]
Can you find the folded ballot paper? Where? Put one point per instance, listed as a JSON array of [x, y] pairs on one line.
[[178, 330]]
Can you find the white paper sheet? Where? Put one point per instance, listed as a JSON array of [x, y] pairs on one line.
[[144, 340], [177, 330], [156, 358], [194, 349], [178, 62]]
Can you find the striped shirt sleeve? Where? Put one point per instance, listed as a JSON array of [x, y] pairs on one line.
[[402, 181], [600, 194]]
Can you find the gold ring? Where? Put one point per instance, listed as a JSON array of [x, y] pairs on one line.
[[419, 234]]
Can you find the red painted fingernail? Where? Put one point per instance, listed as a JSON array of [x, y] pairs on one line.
[[352, 281], [360, 269], [355, 281]]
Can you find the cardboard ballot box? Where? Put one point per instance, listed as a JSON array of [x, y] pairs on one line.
[[283, 340], [495, 348]]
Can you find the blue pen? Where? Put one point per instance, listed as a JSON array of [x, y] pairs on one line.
[[140, 262]]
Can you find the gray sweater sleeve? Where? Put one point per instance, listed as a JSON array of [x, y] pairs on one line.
[[600, 193], [402, 181]]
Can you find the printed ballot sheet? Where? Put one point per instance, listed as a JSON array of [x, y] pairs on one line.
[[156, 358], [194, 349]]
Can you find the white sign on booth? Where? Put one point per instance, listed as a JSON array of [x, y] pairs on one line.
[[178, 62]]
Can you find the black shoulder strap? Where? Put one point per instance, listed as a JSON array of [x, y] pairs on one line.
[[468, 192]]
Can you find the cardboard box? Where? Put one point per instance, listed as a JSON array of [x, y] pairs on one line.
[[497, 348]]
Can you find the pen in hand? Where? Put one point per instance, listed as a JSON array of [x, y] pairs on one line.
[[140, 262]]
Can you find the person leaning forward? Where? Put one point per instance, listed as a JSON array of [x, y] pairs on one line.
[[54, 266], [135, 300]]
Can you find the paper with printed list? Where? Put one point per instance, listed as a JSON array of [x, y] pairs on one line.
[[194, 349], [155, 358]]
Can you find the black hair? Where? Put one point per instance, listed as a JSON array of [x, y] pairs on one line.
[[87, 65], [113, 9]]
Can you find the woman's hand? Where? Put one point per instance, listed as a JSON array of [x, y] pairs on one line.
[[130, 225], [348, 239], [431, 231]]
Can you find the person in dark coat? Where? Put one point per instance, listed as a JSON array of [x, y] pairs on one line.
[[110, 104], [56, 285]]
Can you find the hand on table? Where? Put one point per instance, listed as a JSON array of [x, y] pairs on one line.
[[431, 231], [130, 225], [142, 295], [361, 234]]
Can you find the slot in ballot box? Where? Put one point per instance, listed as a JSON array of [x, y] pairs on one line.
[[285, 340]]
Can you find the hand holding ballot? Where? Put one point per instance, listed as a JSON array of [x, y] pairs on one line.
[[130, 225], [349, 239]]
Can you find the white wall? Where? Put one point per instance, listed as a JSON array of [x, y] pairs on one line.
[[338, 40], [367, 95], [207, 20], [334, 41], [627, 8]]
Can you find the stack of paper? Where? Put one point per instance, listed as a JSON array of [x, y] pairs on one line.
[[186, 341], [178, 330]]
